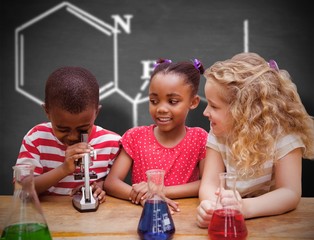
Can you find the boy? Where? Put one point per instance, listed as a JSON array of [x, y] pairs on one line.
[[71, 105]]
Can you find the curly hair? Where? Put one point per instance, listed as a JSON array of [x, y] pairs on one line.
[[72, 89], [264, 105]]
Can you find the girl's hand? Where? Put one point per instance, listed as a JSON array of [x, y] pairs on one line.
[[173, 206], [138, 192], [204, 213], [229, 199]]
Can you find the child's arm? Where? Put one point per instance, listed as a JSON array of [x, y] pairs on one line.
[[185, 190], [213, 165], [114, 184], [48, 179], [287, 193]]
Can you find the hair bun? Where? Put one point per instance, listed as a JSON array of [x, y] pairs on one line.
[[198, 65], [162, 60]]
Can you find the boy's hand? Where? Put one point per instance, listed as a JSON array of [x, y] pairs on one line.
[[98, 192], [73, 153]]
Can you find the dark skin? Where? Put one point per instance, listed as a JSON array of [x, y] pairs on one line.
[[170, 101], [68, 127]]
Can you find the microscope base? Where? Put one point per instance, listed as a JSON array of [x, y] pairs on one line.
[[82, 206]]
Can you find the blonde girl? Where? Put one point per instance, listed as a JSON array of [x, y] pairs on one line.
[[260, 130]]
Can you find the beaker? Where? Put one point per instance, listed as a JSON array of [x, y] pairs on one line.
[[156, 222], [26, 220], [227, 220]]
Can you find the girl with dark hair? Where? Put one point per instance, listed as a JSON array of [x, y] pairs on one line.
[[168, 144]]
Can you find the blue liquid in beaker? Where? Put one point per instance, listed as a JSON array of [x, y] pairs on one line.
[[156, 222]]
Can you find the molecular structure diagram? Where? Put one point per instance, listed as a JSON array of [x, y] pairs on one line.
[[106, 88]]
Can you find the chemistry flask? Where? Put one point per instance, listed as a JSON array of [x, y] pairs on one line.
[[156, 222], [26, 220]]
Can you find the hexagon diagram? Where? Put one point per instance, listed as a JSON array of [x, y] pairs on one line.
[[51, 37], [68, 34]]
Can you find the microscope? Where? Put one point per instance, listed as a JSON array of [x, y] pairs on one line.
[[86, 201]]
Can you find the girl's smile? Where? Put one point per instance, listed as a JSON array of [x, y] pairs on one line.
[[217, 110], [170, 101]]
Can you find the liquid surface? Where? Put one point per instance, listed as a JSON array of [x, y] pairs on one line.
[[28, 231], [227, 224], [156, 222]]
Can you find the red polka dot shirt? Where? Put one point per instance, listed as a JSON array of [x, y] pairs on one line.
[[181, 163]]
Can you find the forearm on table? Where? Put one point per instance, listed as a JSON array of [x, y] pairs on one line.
[[207, 192], [183, 190], [117, 188], [48, 179], [273, 203]]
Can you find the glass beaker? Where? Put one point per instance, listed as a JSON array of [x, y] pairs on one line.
[[227, 220], [26, 220], [156, 222]]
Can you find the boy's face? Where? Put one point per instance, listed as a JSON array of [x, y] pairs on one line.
[[68, 127]]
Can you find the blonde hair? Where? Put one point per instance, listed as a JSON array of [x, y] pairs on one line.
[[264, 105]]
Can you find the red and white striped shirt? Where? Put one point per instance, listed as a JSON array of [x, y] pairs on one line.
[[41, 148]]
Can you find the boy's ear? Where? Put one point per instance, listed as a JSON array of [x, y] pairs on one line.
[[98, 110], [45, 109], [195, 101]]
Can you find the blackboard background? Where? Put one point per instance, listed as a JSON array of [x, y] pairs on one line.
[[179, 30]]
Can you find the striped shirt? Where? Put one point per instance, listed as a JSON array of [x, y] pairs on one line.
[[41, 148], [253, 186]]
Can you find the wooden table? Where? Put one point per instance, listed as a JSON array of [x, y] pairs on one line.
[[118, 219]]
